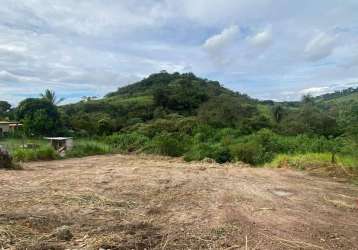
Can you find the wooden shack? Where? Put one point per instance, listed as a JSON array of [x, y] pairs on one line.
[[61, 144]]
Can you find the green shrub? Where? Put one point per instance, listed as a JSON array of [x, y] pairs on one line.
[[86, 148], [303, 161], [166, 144], [127, 142], [157, 127], [221, 154], [198, 152], [246, 152], [35, 154], [187, 125]]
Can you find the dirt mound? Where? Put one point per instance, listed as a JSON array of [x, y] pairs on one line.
[[148, 202]]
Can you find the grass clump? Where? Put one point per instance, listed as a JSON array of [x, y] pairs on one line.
[[301, 161], [200, 151], [127, 142], [87, 148], [345, 166], [249, 152], [166, 144], [41, 153]]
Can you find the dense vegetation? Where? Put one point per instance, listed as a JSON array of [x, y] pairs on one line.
[[183, 115]]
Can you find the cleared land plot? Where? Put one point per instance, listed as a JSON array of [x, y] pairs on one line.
[[147, 202]]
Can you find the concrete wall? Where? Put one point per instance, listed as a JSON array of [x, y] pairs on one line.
[[4, 128]]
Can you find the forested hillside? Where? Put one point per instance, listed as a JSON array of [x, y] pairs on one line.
[[349, 94], [163, 95], [156, 97], [184, 115]]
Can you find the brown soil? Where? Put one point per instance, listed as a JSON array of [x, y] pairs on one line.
[[147, 202]]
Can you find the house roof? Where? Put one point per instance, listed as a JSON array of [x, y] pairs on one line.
[[58, 138], [15, 125], [7, 122]]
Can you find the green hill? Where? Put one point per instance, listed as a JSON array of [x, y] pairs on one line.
[[184, 115], [156, 96], [164, 80], [341, 96], [163, 97]]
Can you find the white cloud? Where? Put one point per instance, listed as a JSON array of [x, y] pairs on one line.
[[321, 46], [331, 87], [6, 76], [222, 40], [262, 40], [315, 91], [218, 45], [93, 47], [13, 48]]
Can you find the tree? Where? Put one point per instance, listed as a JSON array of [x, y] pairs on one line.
[[181, 95], [349, 121], [88, 98], [50, 96], [226, 111], [40, 117], [4, 108], [310, 119], [307, 99], [277, 112], [105, 126]]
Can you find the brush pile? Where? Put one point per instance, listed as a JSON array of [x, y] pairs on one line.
[[5, 159]]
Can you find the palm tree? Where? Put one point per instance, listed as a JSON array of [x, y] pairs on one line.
[[278, 112], [51, 97], [307, 99]]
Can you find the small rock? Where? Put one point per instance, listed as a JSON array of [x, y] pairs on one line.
[[208, 160], [63, 233]]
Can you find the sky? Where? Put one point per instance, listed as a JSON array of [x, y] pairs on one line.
[[268, 49]]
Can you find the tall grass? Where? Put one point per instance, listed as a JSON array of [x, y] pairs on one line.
[[44, 151], [35, 154], [128, 142], [309, 160], [346, 166], [83, 148], [12, 144]]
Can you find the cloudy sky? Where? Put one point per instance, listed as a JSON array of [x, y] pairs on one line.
[[269, 49]]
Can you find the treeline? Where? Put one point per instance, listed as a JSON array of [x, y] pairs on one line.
[[40, 116], [338, 93], [183, 115]]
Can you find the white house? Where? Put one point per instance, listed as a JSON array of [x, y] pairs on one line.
[[8, 127]]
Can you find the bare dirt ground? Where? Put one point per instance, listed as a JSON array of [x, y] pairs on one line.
[[147, 202]]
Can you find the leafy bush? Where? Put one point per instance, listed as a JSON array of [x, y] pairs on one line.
[[226, 111], [35, 154], [127, 142], [154, 128], [198, 152], [86, 148], [221, 154], [303, 161], [249, 152], [166, 144]]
